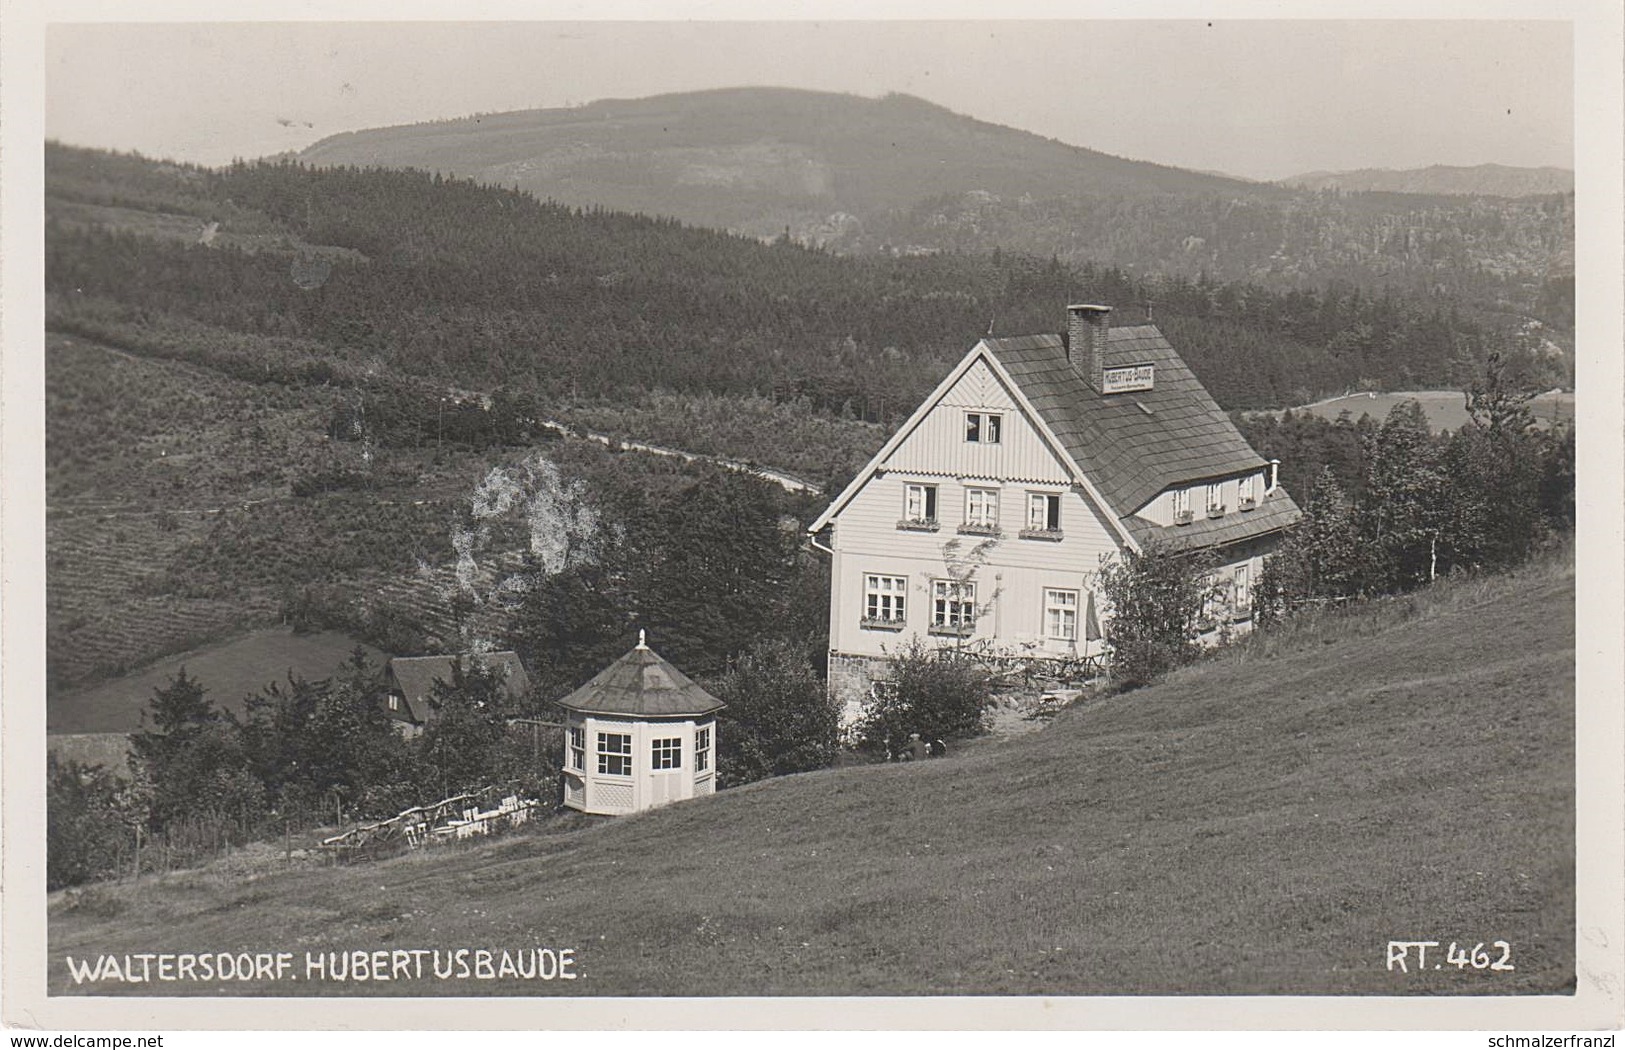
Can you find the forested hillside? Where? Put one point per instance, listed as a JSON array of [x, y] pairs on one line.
[[900, 174], [273, 389], [346, 272]]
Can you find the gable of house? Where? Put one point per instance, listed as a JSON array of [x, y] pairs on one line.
[[938, 443]]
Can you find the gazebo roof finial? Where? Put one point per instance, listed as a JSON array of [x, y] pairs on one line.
[[642, 642]]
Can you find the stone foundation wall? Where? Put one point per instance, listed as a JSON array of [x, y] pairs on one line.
[[850, 677]]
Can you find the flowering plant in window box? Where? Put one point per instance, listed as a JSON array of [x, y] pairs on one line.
[[1182, 517], [1247, 503], [962, 630], [879, 623], [918, 524], [1216, 511], [978, 529], [1040, 534]]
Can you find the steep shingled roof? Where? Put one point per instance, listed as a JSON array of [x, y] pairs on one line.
[[1131, 445], [416, 676], [641, 684]]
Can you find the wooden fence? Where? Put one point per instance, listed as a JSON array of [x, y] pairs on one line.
[[457, 817]]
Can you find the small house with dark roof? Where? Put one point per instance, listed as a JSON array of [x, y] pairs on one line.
[[640, 734], [409, 683], [986, 516]]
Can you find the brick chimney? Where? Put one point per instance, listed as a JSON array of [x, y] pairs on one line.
[[1086, 340]]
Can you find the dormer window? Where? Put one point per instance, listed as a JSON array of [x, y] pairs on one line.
[[1247, 492], [1182, 506], [983, 428], [1215, 500]]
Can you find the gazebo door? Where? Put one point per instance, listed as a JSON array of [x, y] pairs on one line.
[[668, 763]]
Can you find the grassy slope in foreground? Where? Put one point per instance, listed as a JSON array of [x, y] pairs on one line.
[[1263, 823]]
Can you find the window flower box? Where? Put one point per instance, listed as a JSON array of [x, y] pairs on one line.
[[1053, 535], [1242, 615], [1247, 503], [945, 630], [1216, 512], [1182, 517], [975, 529], [875, 623], [917, 525]]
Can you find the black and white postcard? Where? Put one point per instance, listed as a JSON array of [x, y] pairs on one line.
[[914, 517]]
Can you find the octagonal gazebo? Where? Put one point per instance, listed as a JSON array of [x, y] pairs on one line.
[[640, 734]]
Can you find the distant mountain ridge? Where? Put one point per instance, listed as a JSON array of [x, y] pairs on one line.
[[1481, 180], [900, 175], [755, 160]]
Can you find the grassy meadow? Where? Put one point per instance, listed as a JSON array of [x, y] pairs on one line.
[[1446, 409], [1263, 822], [229, 672]]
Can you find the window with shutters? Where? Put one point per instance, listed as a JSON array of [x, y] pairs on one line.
[[981, 511], [1182, 506], [919, 507], [1247, 492], [1043, 516]]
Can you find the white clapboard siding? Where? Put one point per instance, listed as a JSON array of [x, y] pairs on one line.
[[1011, 575], [938, 446]]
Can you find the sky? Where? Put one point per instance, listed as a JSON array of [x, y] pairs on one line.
[[1259, 99]]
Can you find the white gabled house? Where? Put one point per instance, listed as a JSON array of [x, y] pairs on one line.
[[984, 519]]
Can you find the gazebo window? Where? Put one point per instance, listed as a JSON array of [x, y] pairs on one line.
[[615, 754], [666, 753], [702, 749], [578, 747]]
